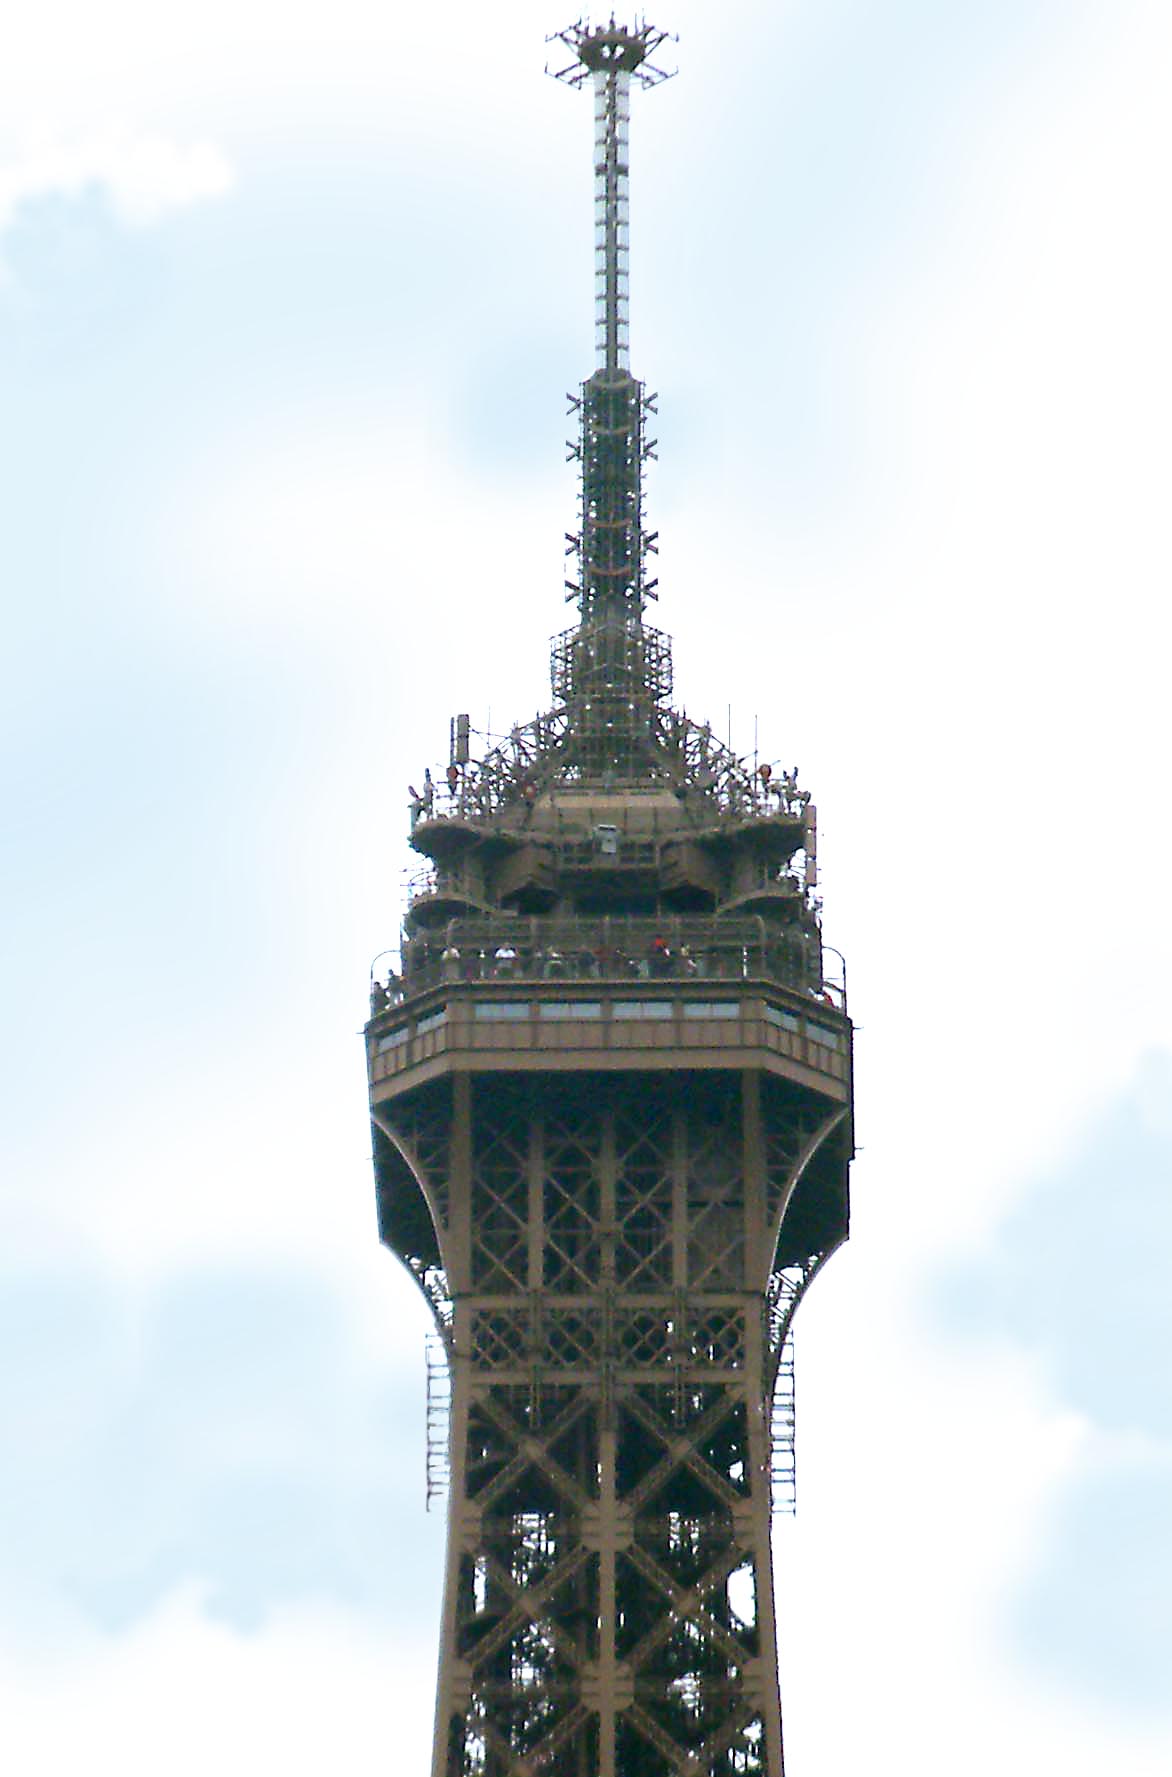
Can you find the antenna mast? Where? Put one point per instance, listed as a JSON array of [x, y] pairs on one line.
[[609, 55], [611, 673]]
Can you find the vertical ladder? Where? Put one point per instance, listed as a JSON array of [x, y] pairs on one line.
[[439, 1416], [783, 1466]]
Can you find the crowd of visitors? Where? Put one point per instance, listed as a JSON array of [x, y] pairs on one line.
[[428, 962]]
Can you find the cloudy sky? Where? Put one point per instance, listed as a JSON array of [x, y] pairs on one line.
[[288, 303]]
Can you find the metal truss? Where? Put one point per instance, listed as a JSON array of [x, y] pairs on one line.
[[659, 745], [612, 1348]]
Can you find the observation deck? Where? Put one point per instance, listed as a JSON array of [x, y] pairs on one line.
[[542, 995]]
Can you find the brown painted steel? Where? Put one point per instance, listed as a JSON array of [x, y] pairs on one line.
[[611, 1092]]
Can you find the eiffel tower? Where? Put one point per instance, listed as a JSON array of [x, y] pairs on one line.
[[611, 1092]]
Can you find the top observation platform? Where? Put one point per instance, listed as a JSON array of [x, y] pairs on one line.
[[509, 1017], [546, 994], [609, 885]]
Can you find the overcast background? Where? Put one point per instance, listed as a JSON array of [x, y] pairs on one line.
[[288, 302]]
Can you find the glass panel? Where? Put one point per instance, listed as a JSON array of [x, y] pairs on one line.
[[570, 1009], [499, 1009], [787, 1020], [642, 1009], [711, 1009]]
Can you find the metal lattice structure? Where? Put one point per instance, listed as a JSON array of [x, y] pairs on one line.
[[611, 1094]]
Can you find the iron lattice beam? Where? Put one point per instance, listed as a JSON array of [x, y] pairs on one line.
[[608, 1596]]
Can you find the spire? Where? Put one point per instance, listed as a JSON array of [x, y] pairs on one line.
[[611, 672], [610, 56]]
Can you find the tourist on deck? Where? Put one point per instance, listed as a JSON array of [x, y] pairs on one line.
[[659, 958]]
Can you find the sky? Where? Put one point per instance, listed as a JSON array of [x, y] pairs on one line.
[[288, 304]]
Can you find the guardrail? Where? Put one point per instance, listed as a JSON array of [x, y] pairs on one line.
[[614, 949]]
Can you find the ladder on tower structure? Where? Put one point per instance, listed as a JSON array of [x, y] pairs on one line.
[[439, 1416], [783, 1465]]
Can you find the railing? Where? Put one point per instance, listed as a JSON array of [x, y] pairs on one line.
[[679, 948]]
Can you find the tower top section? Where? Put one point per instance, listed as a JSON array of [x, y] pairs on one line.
[[613, 804]]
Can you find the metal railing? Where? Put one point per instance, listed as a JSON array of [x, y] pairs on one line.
[[507, 949]]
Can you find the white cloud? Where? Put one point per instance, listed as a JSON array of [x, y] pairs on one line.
[[143, 177], [249, 63], [319, 1691], [984, 875]]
